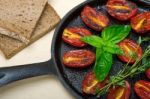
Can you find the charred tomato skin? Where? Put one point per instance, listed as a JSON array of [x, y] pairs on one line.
[[90, 84], [141, 22], [142, 89], [125, 12], [120, 92], [78, 58], [94, 19], [148, 73], [72, 35], [130, 48]]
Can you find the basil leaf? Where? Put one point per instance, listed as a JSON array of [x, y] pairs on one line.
[[103, 64], [116, 33], [113, 48], [93, 40]]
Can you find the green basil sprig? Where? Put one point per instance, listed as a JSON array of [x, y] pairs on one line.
[[106, 46]]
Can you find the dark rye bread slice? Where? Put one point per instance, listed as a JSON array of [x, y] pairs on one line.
[[18, 18], [47, 22]]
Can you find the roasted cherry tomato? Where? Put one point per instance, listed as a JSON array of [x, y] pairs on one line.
[[132, 51], [78, 58], [121, 9], [72, 36], [148, 73], [120, 92], [90, 84], [142, 89], [141, 22], [94, 19]]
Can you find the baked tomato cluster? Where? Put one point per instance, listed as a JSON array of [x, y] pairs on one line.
[[72, 36], [122, 10], [141, 22]]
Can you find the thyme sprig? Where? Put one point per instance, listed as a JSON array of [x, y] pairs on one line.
[[128, 71]]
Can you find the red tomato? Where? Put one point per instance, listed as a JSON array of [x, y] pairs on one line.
[[142, 89], [121, 9], [148, 73], [72, 36], [78, 58], [90, 84], [94, 19], [132, 51], [120, 92], [141, 22]]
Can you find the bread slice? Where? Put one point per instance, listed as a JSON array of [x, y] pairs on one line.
[[18, 18], [48, 21]]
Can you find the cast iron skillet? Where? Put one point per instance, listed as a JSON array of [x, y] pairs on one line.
[[71, 78]]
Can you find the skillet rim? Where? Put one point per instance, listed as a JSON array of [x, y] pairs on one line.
[[54, 42]]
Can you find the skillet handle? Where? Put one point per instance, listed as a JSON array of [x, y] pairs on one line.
[[11, 74]]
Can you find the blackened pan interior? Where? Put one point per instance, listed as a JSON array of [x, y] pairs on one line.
[[72, 78]]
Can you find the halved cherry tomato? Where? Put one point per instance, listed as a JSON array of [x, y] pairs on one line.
[[142, 89], [78, 58], [120, 92], [94, 19], [141, 22], [72, 36], [90, 84], [132, 51], [148, 73], [121, 9]]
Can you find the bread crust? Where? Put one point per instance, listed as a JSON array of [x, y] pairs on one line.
[[47, 22]]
